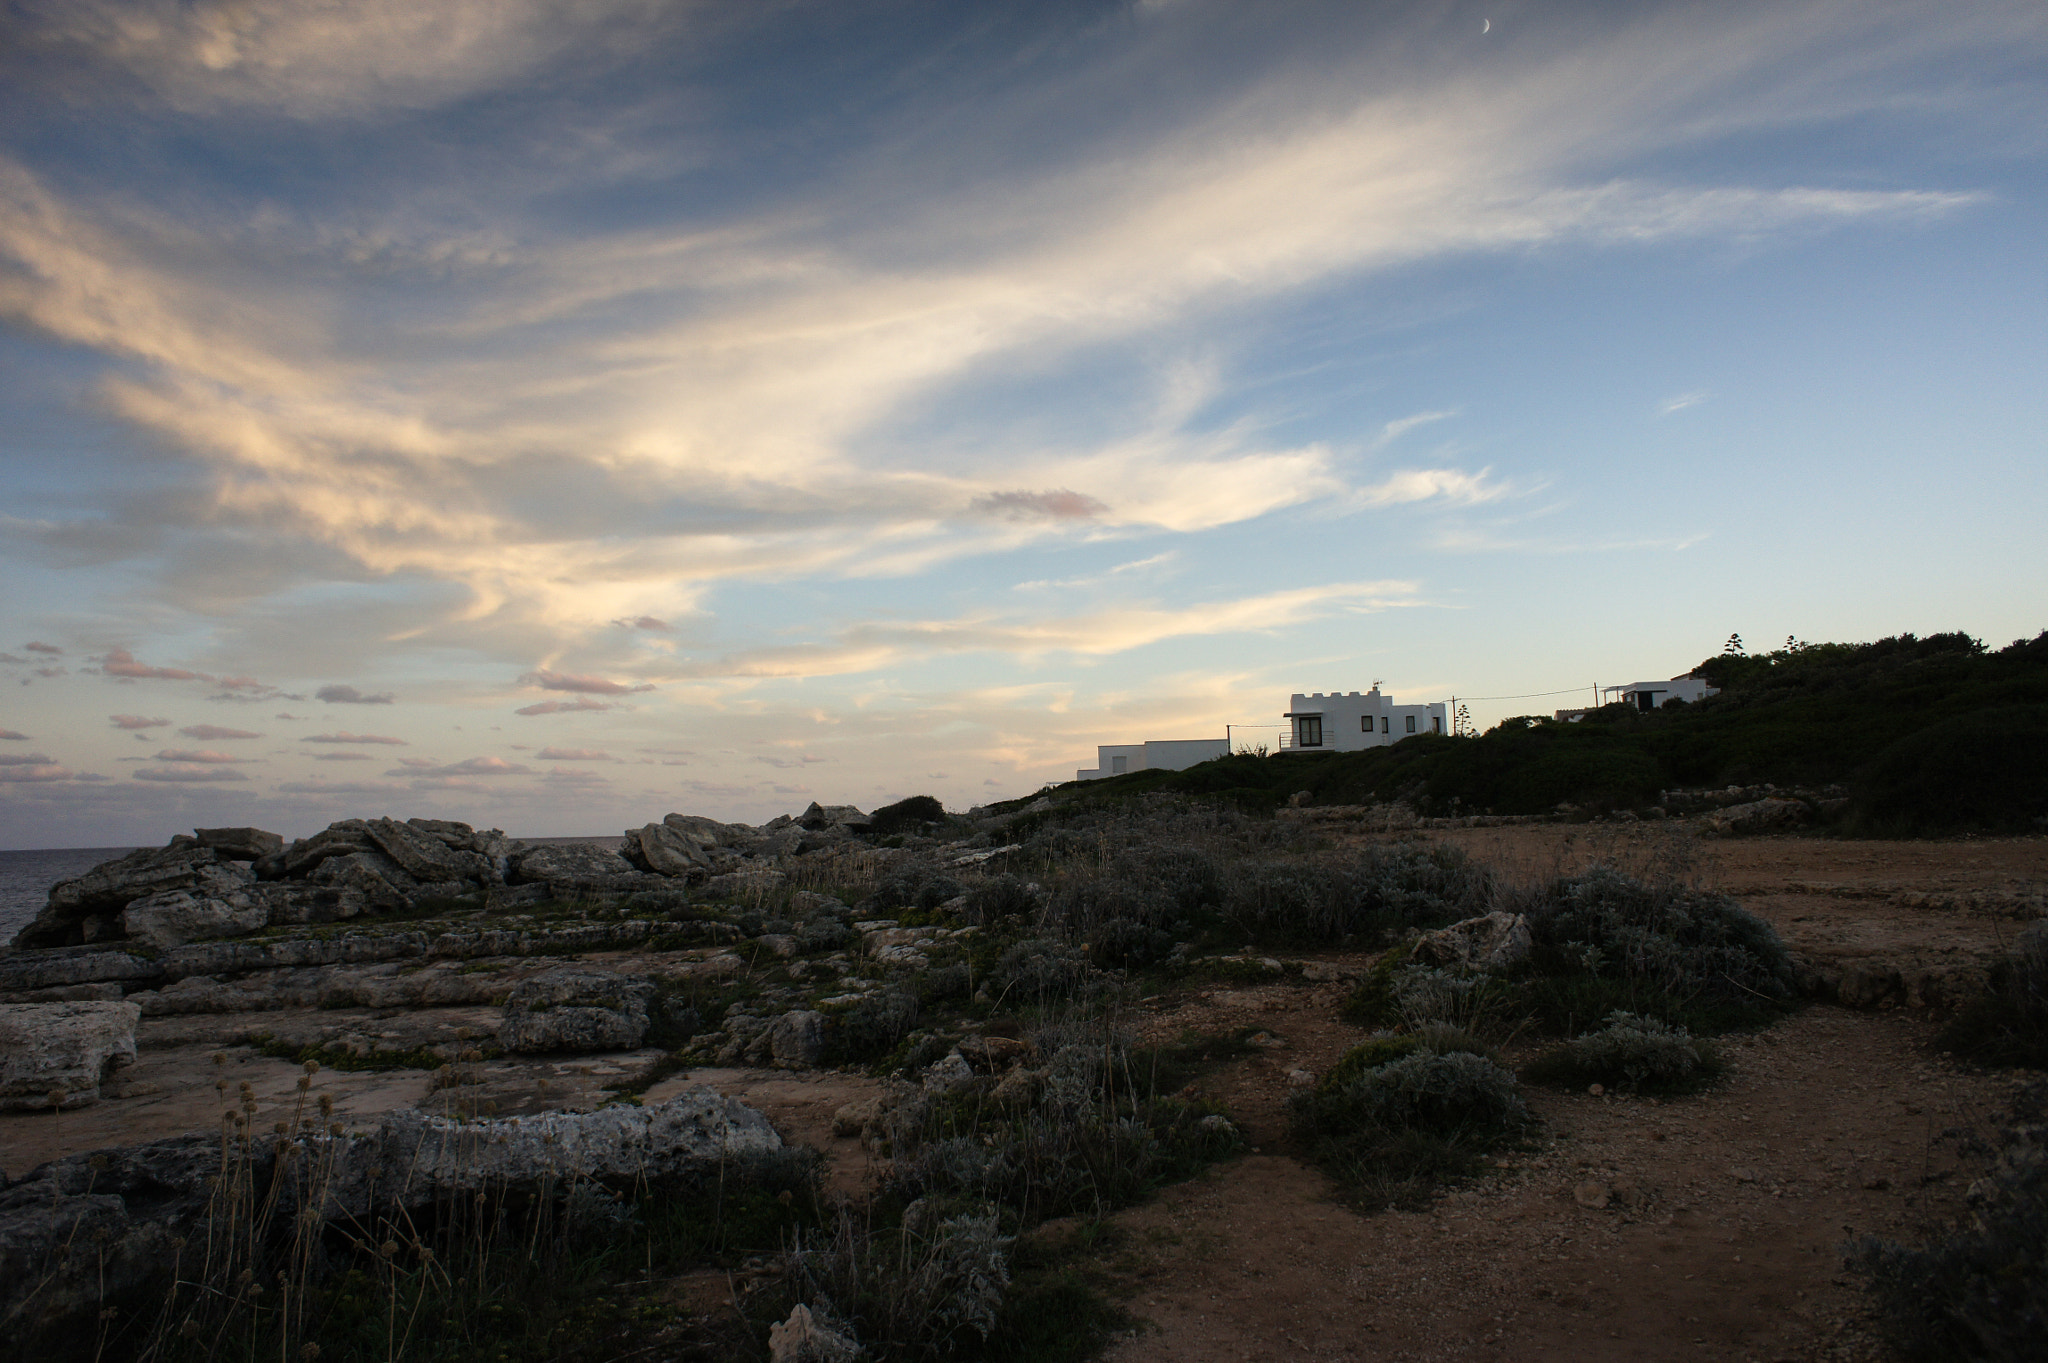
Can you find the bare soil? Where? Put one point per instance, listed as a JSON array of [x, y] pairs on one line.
[[1705, 1227]]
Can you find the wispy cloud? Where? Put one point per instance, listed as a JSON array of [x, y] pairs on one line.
[[137, 722], [474, 766], [556, 707], [1682, 401], [344, 736], [14, 736], [187, 775], [574, 755], [202, 756]]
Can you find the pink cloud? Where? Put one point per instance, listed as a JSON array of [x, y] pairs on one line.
[[243, 684], [37, 774], [557, 707], [573, 681], [13, 736], [26, 759], [344, 736], [202, 756], [575, 755], [35, 647], [214, 733], [136, 722], [343, 757], [120, 662], [341, 787], [646, 622]]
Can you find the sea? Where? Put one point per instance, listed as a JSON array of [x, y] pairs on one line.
[[26, 877]]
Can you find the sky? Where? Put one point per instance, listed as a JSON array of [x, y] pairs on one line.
[[555, 413]]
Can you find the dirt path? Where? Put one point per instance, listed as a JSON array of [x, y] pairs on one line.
[[1706, 1227]]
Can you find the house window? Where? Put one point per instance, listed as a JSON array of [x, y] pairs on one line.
[[1411, 724], [1365, 724], [1308, 731], [1436, 724], [1119, 765], [1386, 724]]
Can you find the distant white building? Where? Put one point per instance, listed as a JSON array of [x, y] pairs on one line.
[[1648, 695], [1171, 754], [1347, 721]]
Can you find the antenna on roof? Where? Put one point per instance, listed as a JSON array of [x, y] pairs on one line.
[[1378, 682]]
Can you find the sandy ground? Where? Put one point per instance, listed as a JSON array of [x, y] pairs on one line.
[[1706, 1227]]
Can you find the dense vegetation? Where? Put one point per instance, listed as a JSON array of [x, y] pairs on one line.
[[1929, 736]]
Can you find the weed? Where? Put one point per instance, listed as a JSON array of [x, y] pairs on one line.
[[2008, 1023], [1635, 1053]]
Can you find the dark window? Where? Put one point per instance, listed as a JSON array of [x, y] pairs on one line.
[[1365, 724], [1386, 724], [1436, 724], [1308, 731], [1411, 724]]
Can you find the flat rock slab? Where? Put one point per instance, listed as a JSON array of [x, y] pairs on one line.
[[800, 1104]]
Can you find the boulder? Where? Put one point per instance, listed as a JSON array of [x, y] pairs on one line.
[[180, 916], [240, 844], [381, 882], [336, 840], [572, 864], [497, 851], [82, 909], [423, 855], [57, 1054], [513, 898], [819, 817], [1496, 942], [666, 851], [575, 1009], [796, 1041]]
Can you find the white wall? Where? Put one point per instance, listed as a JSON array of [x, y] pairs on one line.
[[1170, 754], [1345, 715]]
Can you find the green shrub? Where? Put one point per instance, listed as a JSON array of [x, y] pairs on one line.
[[906, 816], [1040, 968], [2008, 1024], [1393, 1131], [1607, 941], [1631, 1052], [997, 899], [913, 1292], [1984, 771], [870, 1027]]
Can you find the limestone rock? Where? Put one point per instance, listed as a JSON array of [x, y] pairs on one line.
[[948, 1074], [300, 904], [666, 850], [1758, 816], [62, 1051], [337, 839], [575, 1009], [239, 844], [382, 882], [58, 967], [180, 916], [833, 816], [1498, 941], [1868, 984], [423, 854], [573, 866], [80, 910], [796, 1041], [804, 1338]]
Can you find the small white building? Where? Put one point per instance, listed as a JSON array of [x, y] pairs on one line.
[[1170, 754], [1648, 695], [1347, 721]]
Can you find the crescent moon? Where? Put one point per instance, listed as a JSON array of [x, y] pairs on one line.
[[1485, 27]]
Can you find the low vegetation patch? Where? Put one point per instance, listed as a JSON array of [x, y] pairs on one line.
[[1631, 1053], [2008, 1024]]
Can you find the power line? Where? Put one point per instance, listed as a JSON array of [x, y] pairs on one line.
[[1533, 695]]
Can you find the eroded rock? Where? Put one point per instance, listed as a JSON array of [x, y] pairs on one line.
[[1496, 942], [57, 1054], [575, 1009]]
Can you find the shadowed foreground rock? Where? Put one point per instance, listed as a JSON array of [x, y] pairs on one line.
[[133, 1205]]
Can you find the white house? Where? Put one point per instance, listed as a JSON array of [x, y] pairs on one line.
[[1648, 695], [1170, 754], [1347, 721]]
